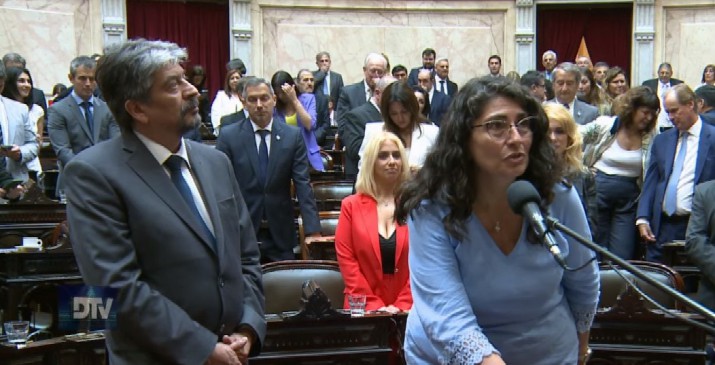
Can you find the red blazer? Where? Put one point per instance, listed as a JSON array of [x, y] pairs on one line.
[[358, 249]]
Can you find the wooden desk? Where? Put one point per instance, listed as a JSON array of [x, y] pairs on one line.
[[343, 341], [321, 248], [674, 256]]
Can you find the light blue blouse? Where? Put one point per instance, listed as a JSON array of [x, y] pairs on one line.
[[471, 300]]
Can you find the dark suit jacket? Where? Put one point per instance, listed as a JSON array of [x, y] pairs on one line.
[[412, 77], [288, 161], [357, 245], [352, 133], [351, 97], [662, 156], [452, 87], [653, 84], [438, 107], [236, 117], [708, 117], [131, 230], [69, 132], [700, 241], [323, 115], [336, 83]]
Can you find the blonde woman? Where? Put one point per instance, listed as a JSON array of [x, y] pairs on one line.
[[371, 246], [566, 140]]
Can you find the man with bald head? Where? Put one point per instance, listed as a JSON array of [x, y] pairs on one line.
[[438, 101], [353, 129], [359, 93], [680, 159]]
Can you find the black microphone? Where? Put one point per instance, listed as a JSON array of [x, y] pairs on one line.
[[524, 200]]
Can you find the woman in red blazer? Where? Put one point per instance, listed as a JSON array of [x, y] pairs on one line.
[[371, 247]]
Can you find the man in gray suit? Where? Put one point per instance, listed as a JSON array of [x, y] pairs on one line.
[[162, 220], [80, 120], [566, 79], [19, 144], [700, 241]]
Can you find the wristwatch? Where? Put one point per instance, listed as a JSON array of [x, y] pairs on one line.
[[586, 356]]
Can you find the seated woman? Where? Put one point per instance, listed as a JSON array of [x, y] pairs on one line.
[[401, 114], [372, 247], [616, 150], [566, 140], [485, 290], [299, 110]]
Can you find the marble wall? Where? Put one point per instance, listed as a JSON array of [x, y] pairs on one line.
[[287, 35], [688, 32], [49, 34]]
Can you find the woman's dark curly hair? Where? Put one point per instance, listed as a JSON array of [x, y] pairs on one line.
[[448, 174], [625, 106]]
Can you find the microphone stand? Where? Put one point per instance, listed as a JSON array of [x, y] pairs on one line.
[[553, 223]]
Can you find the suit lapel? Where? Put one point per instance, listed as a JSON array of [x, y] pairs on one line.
[[202, 172], [97, 117], [368, 208], [671, 143], [402, 236], [79, 117], [277, 143], [248, 140], [703, 149], [147, 168]]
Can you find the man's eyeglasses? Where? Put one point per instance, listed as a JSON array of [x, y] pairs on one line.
[[499, 129]]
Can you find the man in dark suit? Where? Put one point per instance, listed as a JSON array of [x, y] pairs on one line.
[[327, 82], [13, 59], [567, 76], [428, 57], [706, 103], [354, 95], [305, 82], [439, 103], [267, 156], [680, 159], [354, 127], [162, 220], [242, 114], [442, 81], [549, 61], [664, 81], [536, 83], [700, 241]]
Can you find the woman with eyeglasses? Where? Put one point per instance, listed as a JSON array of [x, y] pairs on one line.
[[484, 290], [616, 151]]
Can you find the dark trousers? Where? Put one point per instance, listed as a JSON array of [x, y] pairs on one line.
[[270, 251], [616, 198], [671, 229]]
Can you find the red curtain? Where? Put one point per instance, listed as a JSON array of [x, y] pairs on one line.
[[607, 31], [202, 28]]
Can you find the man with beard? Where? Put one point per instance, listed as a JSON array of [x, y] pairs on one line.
[[161, 219], [428, 57]]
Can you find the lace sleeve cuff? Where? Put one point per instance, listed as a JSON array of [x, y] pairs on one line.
[[584, 319], [469, 348]]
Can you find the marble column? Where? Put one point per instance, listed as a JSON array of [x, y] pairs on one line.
[[524, 35], [114, 21], [643, 42], [239, 12]]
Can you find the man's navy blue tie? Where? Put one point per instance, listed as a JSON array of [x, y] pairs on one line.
[[263, 156], [89, 119], [174, 163], [671, 190]]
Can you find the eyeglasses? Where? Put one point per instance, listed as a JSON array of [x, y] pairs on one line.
[[498, 129]]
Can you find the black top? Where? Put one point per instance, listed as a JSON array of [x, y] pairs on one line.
[[388, 246]]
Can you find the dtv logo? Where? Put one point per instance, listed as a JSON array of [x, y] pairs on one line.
[[91, 308]]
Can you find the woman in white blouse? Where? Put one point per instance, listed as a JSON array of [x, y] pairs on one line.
[[401, 114], [227, 100], [18, 87]]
